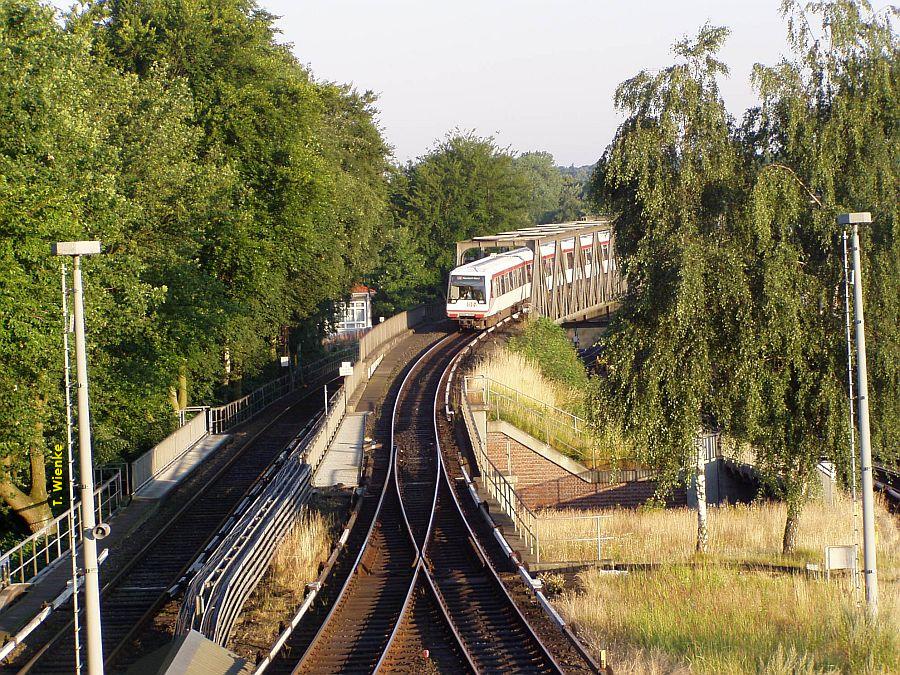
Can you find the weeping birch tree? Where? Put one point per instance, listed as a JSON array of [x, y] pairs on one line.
[[676, 352], [825, 140]]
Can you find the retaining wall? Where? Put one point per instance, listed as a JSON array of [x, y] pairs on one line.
[[542, 483]]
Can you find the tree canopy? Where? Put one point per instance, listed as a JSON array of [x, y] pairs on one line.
[[234, 194], [734, 316]]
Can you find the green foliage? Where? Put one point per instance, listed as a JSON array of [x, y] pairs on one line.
[[548, 346], [545, 183], [465, 186], [734, 313], [676, 353], [824, 141], [234, 196]]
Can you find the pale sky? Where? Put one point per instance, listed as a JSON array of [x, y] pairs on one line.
[[536, 74]]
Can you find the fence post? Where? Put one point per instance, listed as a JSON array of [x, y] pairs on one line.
[[599, 554]]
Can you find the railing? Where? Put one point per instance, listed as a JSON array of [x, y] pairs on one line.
[[326, 430], [496, 484], [316, 370], [217, 420], [233, 568], [30, 559], [572, 538], [222, 585], [224, 417], [558, 428], [173, 446]]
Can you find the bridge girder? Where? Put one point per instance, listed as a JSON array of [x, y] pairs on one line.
[[583, 282]]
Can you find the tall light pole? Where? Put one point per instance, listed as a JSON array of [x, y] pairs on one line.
[[76, 249], [870, 568]]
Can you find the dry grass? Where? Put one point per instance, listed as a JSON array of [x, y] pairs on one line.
[[295, 563], [712, 620], [517, 372], [743, 532]]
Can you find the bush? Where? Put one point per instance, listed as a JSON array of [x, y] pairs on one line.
[[547, 345]]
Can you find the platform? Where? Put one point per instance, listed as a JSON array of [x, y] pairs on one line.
[[168, 478], [342, 460]]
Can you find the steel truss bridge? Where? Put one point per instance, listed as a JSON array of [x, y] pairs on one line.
[[584, 281]]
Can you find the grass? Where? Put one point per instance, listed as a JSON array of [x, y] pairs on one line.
[[517, 371], [547, 346], [712, 620], [533, 413], [273, 602], [741, 532]]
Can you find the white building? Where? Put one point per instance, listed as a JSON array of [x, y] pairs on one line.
[[355, 316]]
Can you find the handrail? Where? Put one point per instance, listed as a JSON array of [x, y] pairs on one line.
[[29, 560], [558, 428], [233, 568], [523, 517]]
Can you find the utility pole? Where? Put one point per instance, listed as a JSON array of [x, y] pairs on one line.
[[89, 528], [870, 568]]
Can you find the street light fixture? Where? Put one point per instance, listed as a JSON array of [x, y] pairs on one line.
[[89, 528], [870, 569]]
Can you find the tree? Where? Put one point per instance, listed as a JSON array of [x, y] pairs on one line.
[[465, 186], [545, 184], [824, 140], [676, 353], [234, 196]]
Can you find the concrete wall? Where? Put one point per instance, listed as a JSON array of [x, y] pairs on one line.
[[723, 485]]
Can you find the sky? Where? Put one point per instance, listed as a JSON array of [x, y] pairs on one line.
[[535, 74]]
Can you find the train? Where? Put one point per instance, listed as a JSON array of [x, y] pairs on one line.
[[484, 291]]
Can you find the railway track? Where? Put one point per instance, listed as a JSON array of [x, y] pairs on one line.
[[131, 598], [422, 595]]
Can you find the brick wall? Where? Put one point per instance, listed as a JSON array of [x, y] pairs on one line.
[[542, 484]]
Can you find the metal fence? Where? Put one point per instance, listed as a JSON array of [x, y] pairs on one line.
[[30, 559], [558, 428], [224, 417], [235, 566], [220, 588], [497, 485]]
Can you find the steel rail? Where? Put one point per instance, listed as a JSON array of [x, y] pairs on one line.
[[114, 582], [457, 512], [420, 550], [316, 643], [423, 575]]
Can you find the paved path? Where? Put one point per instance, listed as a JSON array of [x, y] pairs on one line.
[[342, 460], [173, 474]]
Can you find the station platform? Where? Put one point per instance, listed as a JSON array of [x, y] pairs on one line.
[[173, 474], [342, 460]]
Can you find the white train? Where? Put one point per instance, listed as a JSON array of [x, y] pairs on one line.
[[482, 292]]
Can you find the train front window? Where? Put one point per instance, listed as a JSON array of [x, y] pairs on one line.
[[466, 288]]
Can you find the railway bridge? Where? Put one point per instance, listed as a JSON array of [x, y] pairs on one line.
[[581, 281]]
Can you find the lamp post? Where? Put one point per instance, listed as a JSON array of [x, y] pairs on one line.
[[76, 249], [870, 569]]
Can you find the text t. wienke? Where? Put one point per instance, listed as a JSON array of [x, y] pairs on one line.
[[56, 476]]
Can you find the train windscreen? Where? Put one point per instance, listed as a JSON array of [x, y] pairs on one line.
[[465, 287]]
